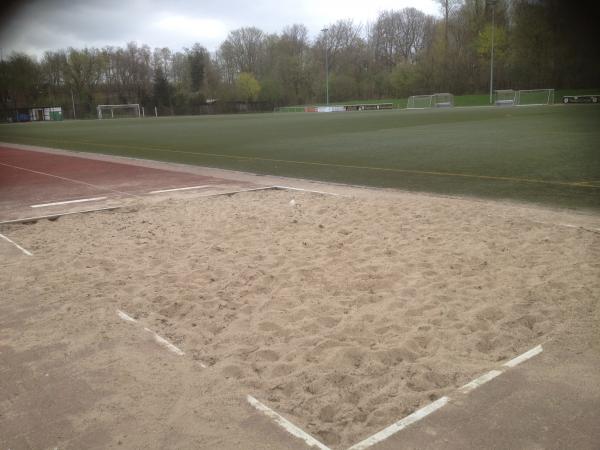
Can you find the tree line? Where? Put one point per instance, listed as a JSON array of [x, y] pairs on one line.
[[537, 44]]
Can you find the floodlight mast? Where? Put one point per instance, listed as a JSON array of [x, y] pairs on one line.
[[325, 30], [493, 5]]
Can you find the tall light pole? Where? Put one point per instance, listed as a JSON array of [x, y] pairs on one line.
[[325, 30], [493, 5]]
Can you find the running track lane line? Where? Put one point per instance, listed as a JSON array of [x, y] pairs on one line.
[[180, 189], [70, 180], [67, 202], [27, 252], [578, 184]]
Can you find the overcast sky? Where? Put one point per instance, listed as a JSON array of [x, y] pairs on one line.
[[35, 26]]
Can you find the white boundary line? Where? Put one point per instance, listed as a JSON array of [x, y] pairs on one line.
[[425, 411], [57, 215], [479, 381], [181, 189], [126, 317], [162, 341], [27, 252], [159, 339], [524, 357], [286, 424], [401, 424], [66, 202], [289, 188]]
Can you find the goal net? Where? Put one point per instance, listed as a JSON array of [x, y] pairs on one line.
[[419, 101], [535, 97], [505, 97], [443, 100], [118, 111]]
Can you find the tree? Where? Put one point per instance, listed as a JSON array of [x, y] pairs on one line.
[[162, 89], [247, 87]]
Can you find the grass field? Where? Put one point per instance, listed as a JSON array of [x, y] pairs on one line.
[[546, 155]]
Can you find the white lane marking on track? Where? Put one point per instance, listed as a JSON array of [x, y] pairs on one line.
[[286, 424], [125, 316], [164, 342], [102, 188], [401, 424], [479, 381], [180, 189], [524, 357], [66, 202], [27, 252]]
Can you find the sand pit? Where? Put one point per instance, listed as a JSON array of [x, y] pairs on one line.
[[343, 314]]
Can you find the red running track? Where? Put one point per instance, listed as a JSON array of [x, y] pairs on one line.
[[35, 177]]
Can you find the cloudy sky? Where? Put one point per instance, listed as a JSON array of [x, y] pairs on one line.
[[33, 26]]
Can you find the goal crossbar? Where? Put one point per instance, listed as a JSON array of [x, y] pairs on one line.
[[533, 97], [134, 107]]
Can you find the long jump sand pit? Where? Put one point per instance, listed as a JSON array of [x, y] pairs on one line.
[[344, 314]]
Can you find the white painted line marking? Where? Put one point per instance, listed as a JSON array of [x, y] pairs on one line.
[[57, 215], [157, 338], [69, 179], [180, 189], [286, 424], [27, 252], [401, 424], [479, 381], [126, 317], [66, 202], [524, 357], [289, 188], [164, 342]]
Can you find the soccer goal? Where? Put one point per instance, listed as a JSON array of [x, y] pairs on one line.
[[419, 101], [534, 97], [443, 100], [505, 97], [118, 111]]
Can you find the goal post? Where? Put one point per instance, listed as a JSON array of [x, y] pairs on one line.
[[505, 97], [118, 111], [439, 100], [419, 101], [531, 97], [443, 100]]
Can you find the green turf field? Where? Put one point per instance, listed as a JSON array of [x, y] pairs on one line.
[[548, 155]]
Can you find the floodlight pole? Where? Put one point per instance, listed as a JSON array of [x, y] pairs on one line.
[[493, 3], [73, 103], [325, 30]]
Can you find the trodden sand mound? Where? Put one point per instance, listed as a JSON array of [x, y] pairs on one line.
[[343, 314]]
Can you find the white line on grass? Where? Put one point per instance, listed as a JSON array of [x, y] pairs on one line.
[[401, 424], [180, 189], [479, 381], [27, 252], [164, 342], [524, 357], [286, 424], [66, 202]]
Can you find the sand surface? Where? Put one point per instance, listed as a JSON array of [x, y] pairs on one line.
[[344, 314]]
